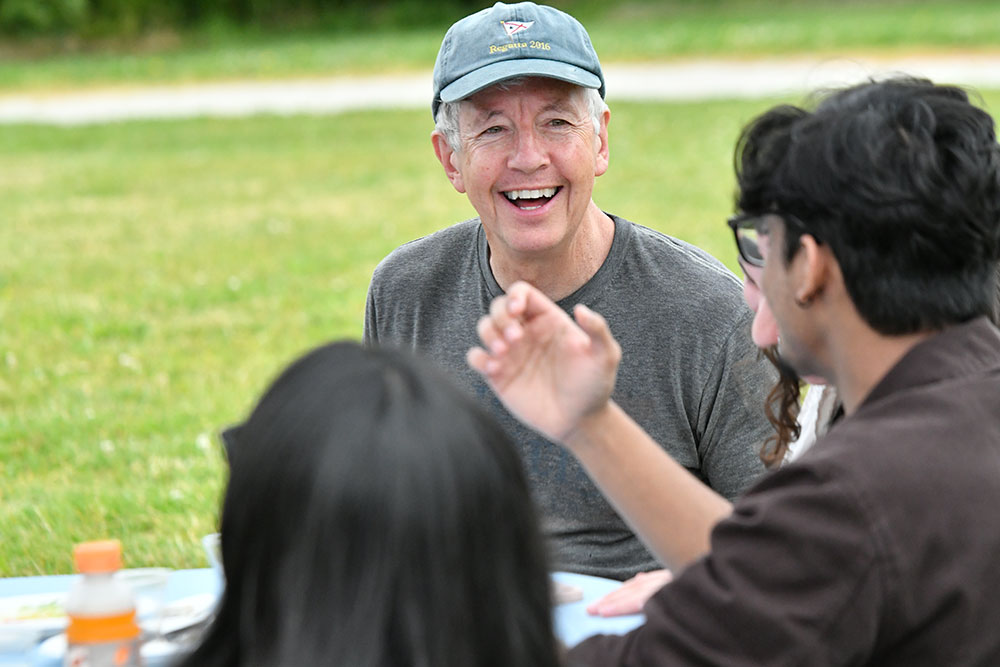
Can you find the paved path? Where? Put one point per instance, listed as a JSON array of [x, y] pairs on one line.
[[664, 81]]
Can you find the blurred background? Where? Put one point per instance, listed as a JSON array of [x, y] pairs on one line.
[[156, 273]]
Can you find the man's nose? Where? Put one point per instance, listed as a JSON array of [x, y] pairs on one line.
[[529, 154]]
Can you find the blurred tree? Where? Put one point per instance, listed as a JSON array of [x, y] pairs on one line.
[[129, 18], [42, 17]]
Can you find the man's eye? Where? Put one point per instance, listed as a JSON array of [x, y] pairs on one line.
[[556, 122], [496, 129]]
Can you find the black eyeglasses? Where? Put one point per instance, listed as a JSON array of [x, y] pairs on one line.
[[751, 232]]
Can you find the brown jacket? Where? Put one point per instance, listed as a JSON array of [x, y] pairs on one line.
[[881, 546]]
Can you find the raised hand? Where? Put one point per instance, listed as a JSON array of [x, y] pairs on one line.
[[550, 371], [556, 375]]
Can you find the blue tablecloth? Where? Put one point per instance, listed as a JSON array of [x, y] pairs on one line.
[[572, 622]]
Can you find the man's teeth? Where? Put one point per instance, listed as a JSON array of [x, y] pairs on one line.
[[514, 195]]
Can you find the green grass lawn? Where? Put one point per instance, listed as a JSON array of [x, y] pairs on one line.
[[158, 274], [638, 30]]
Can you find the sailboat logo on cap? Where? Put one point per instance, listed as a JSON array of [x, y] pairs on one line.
[[514, 27]]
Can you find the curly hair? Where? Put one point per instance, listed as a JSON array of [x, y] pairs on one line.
[[782, 409]]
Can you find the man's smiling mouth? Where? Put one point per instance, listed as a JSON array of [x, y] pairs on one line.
[[529, 200]]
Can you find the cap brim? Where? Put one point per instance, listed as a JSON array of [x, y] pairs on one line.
[[484, 77]]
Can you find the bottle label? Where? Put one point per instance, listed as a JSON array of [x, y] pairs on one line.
[[102, 641], [92, 629]]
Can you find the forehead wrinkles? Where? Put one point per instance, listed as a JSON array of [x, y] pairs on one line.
[[498, 103]]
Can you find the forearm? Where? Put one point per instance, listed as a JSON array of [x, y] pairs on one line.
[[670, 509]]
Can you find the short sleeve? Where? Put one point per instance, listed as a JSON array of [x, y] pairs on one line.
[[369, 335], [732, 422]]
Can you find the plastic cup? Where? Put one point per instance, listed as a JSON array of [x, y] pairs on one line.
[[149, 587], [213, 550]]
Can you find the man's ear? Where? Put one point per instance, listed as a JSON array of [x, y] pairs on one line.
[[602, 147], [817, 267], [449, 160]]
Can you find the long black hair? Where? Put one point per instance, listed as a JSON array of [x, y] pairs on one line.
[[376, 516]]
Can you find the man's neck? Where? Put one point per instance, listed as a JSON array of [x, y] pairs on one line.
[[563, 270], [861, 358]]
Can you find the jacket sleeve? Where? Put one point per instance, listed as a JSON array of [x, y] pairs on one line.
[[794, 577]]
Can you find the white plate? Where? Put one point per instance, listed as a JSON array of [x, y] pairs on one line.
[[187, 611], [25, 620], [40, 610]]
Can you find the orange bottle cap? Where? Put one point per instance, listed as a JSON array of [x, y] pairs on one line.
[[99, 556]]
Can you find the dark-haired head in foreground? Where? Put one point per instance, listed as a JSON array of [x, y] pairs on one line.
[[376, 516], [899, 178]]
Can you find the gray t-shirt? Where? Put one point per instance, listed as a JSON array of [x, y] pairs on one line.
[[690, 374]]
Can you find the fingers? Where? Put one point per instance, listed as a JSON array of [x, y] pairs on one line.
[[632, 596], [597, 329], [620, 602], [481, 361], [518, 296], [502, 321], [491, 335], [608, 607], [503, 325], [521, 303], [522, 294], [508, 317], [498, 329]]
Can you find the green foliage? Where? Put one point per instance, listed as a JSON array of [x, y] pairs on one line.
[[370, 39], [129, 18], [31, 17], [350, 13], [770, 25]]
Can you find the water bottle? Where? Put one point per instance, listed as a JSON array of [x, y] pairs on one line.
[[102, 630]]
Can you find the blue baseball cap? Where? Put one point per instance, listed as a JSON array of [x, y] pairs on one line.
[[507, 41]]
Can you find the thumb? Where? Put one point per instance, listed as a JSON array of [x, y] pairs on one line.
[[526, 301]]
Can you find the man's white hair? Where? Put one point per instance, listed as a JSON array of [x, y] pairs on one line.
[[447, 118]]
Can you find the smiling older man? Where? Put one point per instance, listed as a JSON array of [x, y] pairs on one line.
[[522, 131]]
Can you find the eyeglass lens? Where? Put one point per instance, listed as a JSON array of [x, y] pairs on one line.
[[751, 242]]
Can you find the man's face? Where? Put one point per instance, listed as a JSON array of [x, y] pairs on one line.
[[528, 159], [764, 330], [796, 336]]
